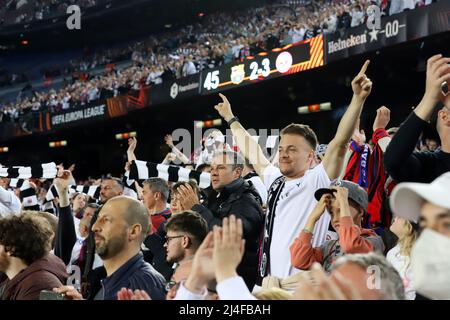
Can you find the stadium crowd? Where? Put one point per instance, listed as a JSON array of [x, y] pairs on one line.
[[218, 39], [310, 223], [25, 11]]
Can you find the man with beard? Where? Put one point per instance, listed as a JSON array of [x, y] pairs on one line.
[[119, 231], [110, 187]]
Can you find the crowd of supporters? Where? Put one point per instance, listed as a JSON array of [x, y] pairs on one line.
[[313, 222], [25, 11], [219, 39]]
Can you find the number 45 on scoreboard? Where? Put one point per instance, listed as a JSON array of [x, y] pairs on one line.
[[212, 80]]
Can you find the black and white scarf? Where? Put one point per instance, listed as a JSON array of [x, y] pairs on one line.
[[27, 194], [272, 201], [142, 170], [92, 191], [43, 171]]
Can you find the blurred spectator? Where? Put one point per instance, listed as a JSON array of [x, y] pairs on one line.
[[429, 204], [25, 243], [400, 255]]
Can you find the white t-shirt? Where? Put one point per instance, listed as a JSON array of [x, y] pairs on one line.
[[403, 265], [293, 209]]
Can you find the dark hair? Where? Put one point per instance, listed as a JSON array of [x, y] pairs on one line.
[[202, 166], [191, 223], [237, 161], [302, 130], [117, 180], [26, 236], [158, 185], [92, 205]]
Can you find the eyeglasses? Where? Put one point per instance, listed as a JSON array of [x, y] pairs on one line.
[[170, 238], [170, 284]]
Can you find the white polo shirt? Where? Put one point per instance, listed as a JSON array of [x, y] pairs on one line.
[[293, 209]]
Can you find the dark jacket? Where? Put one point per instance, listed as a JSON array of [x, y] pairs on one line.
[[403, 164], [156, 254], [44, 274], [242, 200], [66, 235], [134, 274]]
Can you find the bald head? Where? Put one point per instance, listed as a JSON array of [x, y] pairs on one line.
[[132, 211]]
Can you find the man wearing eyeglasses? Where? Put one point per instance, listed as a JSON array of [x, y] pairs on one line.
[[399, 160], [185, 233]]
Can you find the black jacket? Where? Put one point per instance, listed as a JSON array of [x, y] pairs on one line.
[[156, 253], [403, 164], [242, 200]]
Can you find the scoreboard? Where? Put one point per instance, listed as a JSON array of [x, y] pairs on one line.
[[279, 62]]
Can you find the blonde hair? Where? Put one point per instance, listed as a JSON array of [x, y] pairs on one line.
[[273, 294], [406, 241]]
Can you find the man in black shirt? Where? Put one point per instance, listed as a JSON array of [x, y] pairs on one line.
[[231, 194], [399, 160]]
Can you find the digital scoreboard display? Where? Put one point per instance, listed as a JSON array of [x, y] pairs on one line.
[[279, 62]]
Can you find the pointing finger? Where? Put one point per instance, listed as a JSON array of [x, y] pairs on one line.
[[364, 67]]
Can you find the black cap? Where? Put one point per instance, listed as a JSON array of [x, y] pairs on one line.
[[355, 192]]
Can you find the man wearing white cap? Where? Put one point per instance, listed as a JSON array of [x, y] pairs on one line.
[[430, 258]]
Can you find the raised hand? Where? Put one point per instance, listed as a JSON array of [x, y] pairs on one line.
[[202, 270], [224, 108], [382, 119], [188, 197], [438, 71], [132, 143], [341, 195], [321, 206], [359, 136], [169, 140], [228, 248], [63, 180], [361, 84]]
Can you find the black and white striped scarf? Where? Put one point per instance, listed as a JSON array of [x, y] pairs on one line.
[[42, 171], [92, 191], [28, 196], [142, 170]]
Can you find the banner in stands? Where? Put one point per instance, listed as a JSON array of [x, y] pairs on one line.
[[66, 118], [174, 90], [398, 28]]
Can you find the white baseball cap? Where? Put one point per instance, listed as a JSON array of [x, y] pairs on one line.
[[407, 198]]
